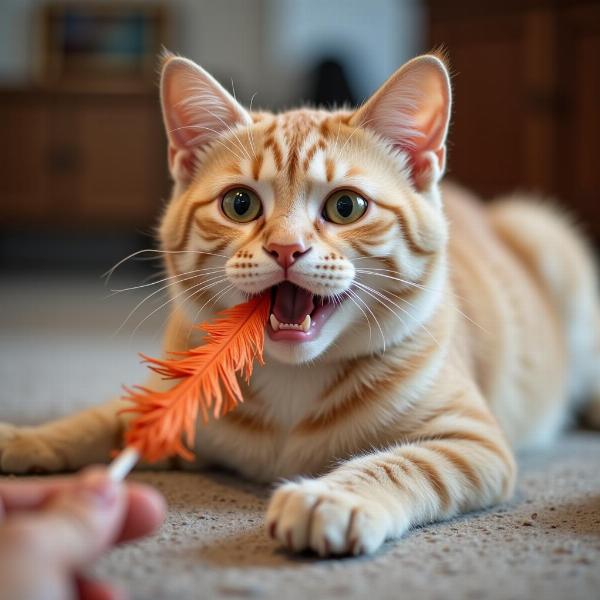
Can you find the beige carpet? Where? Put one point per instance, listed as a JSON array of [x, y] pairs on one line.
[[58, 352]]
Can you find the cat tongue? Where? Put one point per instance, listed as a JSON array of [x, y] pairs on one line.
[[291, 303]]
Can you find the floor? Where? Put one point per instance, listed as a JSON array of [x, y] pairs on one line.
[[60, 350]]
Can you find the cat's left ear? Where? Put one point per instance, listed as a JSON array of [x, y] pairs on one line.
[[412, 111], [197, 110]]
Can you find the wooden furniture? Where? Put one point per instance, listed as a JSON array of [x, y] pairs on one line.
[[81, 161], [100, 45], [527, 97]]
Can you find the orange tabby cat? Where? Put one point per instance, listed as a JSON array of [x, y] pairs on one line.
[[416, 337]]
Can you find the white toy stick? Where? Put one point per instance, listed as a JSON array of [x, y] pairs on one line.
[[122, 464]]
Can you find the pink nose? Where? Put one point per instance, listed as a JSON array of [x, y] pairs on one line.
[[286, 254]]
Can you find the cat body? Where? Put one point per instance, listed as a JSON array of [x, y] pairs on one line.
[[417, 337]]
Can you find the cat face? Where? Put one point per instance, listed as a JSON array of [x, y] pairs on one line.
[[336, 215]]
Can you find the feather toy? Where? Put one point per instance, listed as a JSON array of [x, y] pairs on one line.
[[165, 422]]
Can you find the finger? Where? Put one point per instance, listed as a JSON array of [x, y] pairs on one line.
[[19, 493], [92, 589], [146, 510], [32, 492], [146, 507], [74, 527], [87, 519]]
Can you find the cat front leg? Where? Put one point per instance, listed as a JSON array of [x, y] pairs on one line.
[[75, 441], [459, 461], [65, 444]]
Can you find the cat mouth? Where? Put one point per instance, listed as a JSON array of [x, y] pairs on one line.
[[297, 315]]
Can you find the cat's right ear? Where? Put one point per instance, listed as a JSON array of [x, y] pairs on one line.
[[197, 109], [411, 110]]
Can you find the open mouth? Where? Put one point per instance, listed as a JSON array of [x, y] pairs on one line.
[[297, 315]]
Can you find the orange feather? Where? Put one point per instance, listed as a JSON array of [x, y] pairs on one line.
[[208, 375]]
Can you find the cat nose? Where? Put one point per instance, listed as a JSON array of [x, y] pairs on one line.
[[286, 254]]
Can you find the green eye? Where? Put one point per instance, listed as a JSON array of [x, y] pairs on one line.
[[344, 207], [241, 205]]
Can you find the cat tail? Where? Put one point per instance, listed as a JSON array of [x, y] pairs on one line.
[[554, 248]]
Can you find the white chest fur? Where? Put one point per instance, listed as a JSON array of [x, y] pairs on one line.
[[284, 396]]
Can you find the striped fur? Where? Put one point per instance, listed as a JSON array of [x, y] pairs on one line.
[[461, 334]]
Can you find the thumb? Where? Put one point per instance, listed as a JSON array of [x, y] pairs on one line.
[[78, 524]]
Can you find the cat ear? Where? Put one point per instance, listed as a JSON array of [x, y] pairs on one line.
[[412, 111], [197, 109]]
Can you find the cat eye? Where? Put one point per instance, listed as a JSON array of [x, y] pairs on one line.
[[241, 205], [344, 207]]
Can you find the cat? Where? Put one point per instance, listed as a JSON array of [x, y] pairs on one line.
[[417, 338]]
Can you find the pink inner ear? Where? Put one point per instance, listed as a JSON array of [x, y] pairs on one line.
[[422, 134], [428, 154], [412, 110], [197, 110]]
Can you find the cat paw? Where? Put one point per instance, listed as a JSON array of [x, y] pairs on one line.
[[326, 518], [22, 450]]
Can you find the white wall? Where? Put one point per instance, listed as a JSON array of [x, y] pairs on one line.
[[16, 40], [375, 36], [266, 46], [224, 36]]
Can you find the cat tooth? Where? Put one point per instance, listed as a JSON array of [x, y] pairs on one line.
[[274, 322], [305, 325]]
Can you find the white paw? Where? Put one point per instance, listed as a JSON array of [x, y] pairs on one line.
[[326, 518], [22, 450]]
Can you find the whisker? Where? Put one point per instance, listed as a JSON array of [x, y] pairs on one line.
[[149, 278], [239, 144], [109, 273], [215, 297], [172, 299], [373, 315], [205, 271], [399, 279], [216, 139], [227, 124], [222, 293], [374, 293], [337, 138], [182, 303], [350, 292], [425, 288], [151, 295], [209, 301], [371, 271], [341, 150], [362, 125], [195, 319], [407, 282], [250, 132]]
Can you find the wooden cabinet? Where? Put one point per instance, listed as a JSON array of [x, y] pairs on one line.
[[23, 160], [578, 140], [526, 79], [81, 160]]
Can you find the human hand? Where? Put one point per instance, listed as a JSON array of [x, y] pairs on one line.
[[52, 529]]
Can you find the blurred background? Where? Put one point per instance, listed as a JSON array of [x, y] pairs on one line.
[[82, 151], [82, 159]]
